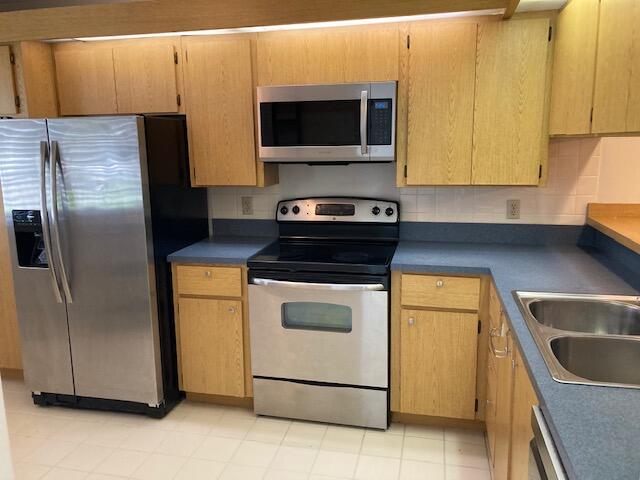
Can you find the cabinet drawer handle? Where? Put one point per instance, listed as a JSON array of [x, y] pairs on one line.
[[411, 321], [232, 309], [496, 353], [440, 283], [207, 273]]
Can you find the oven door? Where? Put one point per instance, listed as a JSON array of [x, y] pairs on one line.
[[319, 332], [327, 123]]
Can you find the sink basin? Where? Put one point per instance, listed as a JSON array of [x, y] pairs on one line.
[[601, 317], [599, 359], [586, 339]]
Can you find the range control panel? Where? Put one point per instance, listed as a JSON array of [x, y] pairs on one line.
[[338, 209]]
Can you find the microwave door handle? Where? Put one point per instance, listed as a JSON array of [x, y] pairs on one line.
[[44, 217], [367, 287], [364, 107], [53, 164]]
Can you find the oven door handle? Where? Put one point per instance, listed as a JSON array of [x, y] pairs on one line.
[[365, 287]]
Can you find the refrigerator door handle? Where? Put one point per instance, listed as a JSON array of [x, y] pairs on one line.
[[46, 233], [53, 164]]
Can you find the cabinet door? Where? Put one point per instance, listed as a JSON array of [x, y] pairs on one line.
[[333, 55], [7, 85], [524, 397], [85, 80], [574, 68], [211, 347], [145, 78], [219, 94], [442, 62], [9, 337], [509, 138], [504, 397], [616, 103], [438, 358], [495, 328]]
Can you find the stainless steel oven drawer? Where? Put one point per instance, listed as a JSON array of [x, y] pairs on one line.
[[334, 404]]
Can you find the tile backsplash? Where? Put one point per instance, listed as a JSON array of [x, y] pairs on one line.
[[581, 170]]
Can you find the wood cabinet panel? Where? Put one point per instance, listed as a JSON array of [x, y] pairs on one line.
[[616, 102], [509, 138], [574, 68], [208, 280], [441, 80], [331, 55], [145, 78], [10, 356], [219, 95], [504, 402], [85, 80], [440, 291], [7, 84], [211, 346], [524, 397], [438, 363]]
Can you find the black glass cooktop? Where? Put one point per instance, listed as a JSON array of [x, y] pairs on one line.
[[325, 256]]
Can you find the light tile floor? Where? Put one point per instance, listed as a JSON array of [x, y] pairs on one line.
[[201, 441]]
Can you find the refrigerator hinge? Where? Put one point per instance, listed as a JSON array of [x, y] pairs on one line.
[[12, 59], [408, 42], [476, 405], [178, 100], [17, 101], [175, 57]]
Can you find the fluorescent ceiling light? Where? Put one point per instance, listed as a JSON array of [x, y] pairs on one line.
[[299, 26]]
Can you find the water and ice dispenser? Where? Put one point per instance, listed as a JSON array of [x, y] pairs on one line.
[[27, 225]]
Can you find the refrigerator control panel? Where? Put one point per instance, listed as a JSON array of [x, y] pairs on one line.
[[27, 225]]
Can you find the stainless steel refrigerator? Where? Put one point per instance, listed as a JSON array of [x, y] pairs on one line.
[[92, 206]]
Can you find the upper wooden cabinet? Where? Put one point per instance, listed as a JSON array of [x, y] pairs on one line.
[[596, 87], [616, 99], [329, 55], [573, 68], [509, 135], [219, 89], [7, 84], [130, 76], [442, 65]]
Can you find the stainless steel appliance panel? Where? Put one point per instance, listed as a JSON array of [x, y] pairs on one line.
[[42, 316], [544, 461], [344, 405], [105, 241], [356, 354]]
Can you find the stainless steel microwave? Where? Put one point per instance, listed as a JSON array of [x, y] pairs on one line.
[[340, 123]]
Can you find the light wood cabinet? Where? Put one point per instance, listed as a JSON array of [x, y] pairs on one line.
[[440, 291], [211, 346], [438, 363], [504, 403], [219, 90], [524, 398], [7, 83], [509, 135], [441, 76], [573, 68], [616, 99], [145, 78], [329, 55], [9, 337], [212, 330]]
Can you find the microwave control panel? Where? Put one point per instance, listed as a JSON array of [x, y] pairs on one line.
[[380, 121]]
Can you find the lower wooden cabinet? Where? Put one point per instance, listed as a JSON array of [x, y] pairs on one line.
[[212, 330], [502, 443], [438, 363], [211, 349], [524, 398]]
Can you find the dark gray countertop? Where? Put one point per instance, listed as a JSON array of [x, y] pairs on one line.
[[231, 250], [596, 429]]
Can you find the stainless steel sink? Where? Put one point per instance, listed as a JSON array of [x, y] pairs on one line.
[[587, 339]]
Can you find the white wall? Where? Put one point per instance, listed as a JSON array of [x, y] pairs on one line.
[[580, 171]]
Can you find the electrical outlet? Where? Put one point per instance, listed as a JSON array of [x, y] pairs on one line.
[[513, 208], [247, 205]]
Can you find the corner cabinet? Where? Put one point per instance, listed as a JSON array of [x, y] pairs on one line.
[[476, 101], [434, 334], [212, 331], [8, 104]]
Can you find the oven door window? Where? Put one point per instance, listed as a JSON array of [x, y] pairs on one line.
[[310, 124], [324, 317]]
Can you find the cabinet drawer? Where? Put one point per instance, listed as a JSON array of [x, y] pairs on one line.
[[440, 292], [213, 281]]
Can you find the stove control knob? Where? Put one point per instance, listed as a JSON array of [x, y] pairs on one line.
[[295, 209], [389, 211], [375, 210], [284, 210]]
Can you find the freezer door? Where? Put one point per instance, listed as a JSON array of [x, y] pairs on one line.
[[42, 316], [105, 238]]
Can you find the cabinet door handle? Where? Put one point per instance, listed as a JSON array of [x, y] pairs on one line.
[[207, 273], [440, 283], [411, 321], [232, 309], [496, 353]]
